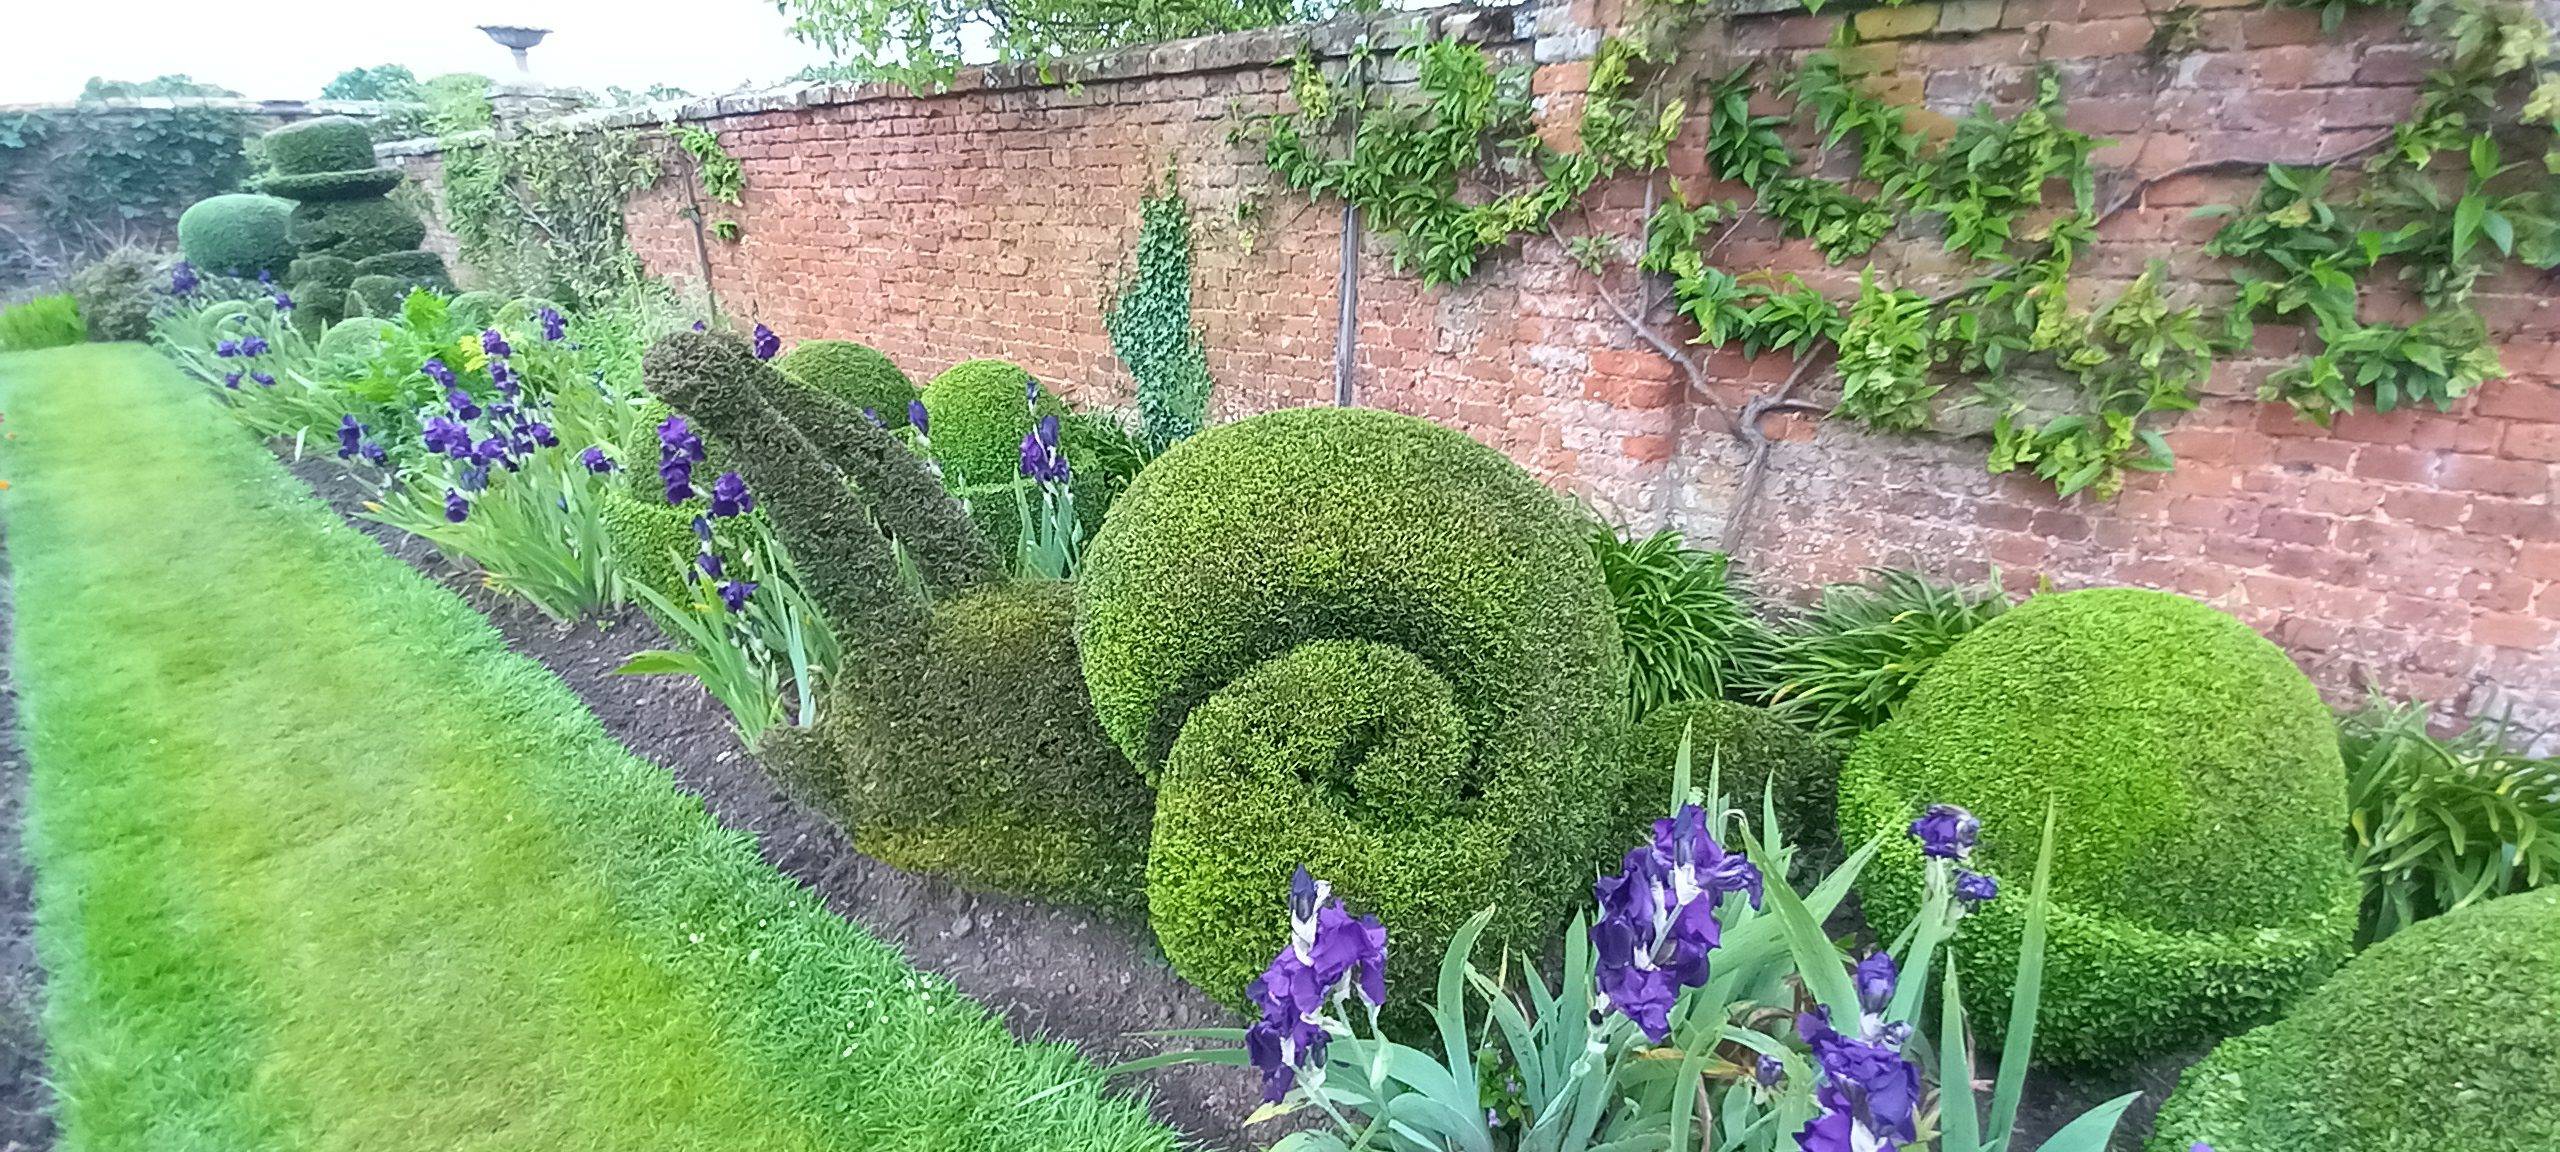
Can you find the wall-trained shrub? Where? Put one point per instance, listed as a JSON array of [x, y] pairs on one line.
[[1376, 644], [854, 373], [115, 293], [237, 234], [2200, 880], [2443, 1038], [1751, 752]]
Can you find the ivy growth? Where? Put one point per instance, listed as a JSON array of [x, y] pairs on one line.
[[1151, 326], [542, 211], [723, 180]]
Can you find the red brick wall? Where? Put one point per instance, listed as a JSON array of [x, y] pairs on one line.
[[2417, 551]]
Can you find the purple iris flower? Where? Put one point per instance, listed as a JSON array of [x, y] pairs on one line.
[[253, 345], [231, 380], [284, 302], [542, 434], [555, 327], [456, 509], [1947, 832], [462, 405], [447, 437], [710, 564], [729, 496], [1875, 978], [1031, 392], [494, 343], [1870, 1094], [504, 377], [915, 416], [734, 593], [1973, 888], [475, 476], [372, 450], [699, 327], [1329, 952], [1658, 919], [678, 450], [226, 348], [437, 372], [702, 530], [595, 460], [350, 436], [264, 380], [1042, 460], [266, 277], [873, 415], [182, 279], [1768, 1071], [766, 344]]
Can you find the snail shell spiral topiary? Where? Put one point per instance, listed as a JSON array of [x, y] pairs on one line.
[[1364, 643]]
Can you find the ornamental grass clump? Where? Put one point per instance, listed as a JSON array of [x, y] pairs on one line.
[[2200, 796]]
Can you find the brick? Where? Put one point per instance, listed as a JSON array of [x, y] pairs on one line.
[[2517, 398], [1896, 23], [1970, 15], [2491, 474], [2532, 442], [2514, 630]]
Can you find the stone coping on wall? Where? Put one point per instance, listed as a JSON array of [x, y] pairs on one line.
[[1494, 25], [216, 103]]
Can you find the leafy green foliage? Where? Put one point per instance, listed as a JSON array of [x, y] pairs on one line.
[[1753, 753], [2439, 823], [380, 82], [722, 178], [542, 213], [1151, 327], [237, 234], [1689, 632], [2195, 777], [1846, 665], [2434, 1039], [95, 166], [922, 43], [116, 293], [1884, 359], [42, 322]]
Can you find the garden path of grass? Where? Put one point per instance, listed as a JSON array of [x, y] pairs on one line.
[[322, 865]]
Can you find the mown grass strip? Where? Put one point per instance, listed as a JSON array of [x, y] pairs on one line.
[[322, 865]]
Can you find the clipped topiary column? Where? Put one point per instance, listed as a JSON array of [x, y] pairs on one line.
[[354, 246]]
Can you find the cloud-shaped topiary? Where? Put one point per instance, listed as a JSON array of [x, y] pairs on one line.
[[237, 234], [1364, 643], [854, 373], [2443, 1038], [2199, 881]]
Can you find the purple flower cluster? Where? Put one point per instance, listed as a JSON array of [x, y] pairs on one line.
[[1329, 952], [246, 347], [353, 441], [182, 279], [1946, 832], [678, 451], [555, 327], [595, 460], [436, 371], [515, 428], [1042, 459], [495, 344], [1658, 919], [916, 416], [766, 344], [729, 497], [283, 300], [1869, 1093]]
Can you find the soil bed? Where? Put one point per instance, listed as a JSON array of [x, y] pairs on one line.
[[26, 1100]]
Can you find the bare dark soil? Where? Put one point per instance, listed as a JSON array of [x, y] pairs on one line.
[[26, 1100], [1053, 972]]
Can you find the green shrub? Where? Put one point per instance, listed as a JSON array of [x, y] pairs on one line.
[[1689, 634], [1467, 579], [376, 295], [355, 338], [356, 184], [1845, 666], [2441, 822], [321, 283], [238, 234], [2440, 1039], [474, 309], [115, 293], [43, 322], [420, 268], [972, 752], [354, 229], [648, 540], [977, 415], [1104, 456], [853, 373], [2199, 881], [1752, 753], [320, 144], [1151, 327]]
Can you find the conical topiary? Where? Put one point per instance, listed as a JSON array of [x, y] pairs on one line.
[[344, 226]]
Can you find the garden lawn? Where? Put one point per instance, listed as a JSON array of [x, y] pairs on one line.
[[322, 865]]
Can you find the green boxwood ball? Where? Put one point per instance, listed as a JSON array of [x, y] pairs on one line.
[[320, 144], [474, 309], [855, 374], [648, 540], [354, 229], [1464, 579], [2443, 1038], [356, 337], [1751, 753], [237, 234], [2200, 878], [977, 414]]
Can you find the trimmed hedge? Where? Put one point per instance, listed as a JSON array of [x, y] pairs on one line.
[[322, 281], [1464, 577], [238, 234], [977, 417], [115, 292], [2439, 1039], [358, 184], [1755, 750], [647, 540], [320, 144], [416, 267], [474, 309], [376, 295], [2200, 881], [354, 229], [972, 752], [853, 373], [355, 336]]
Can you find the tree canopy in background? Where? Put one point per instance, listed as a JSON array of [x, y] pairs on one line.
[[924, 41], [380, 82]]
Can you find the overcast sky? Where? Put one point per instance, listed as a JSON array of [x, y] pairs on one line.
[[289, 48]]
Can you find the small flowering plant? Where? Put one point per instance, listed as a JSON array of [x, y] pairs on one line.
[[1052, 541], [1704, 1007]]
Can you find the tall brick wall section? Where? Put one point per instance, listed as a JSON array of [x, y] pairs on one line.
[[2417, 551]]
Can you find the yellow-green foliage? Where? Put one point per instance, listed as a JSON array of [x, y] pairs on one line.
[[2200, 881], [854, 373], [44, 322], [1751, 753], [2443, 1038], [1459, 746]]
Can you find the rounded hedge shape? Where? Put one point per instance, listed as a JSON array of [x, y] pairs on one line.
[[648, 540], [321, 280], [855, 374], [359, 184], [2439, 1039], [115, 293], [237, 234], [416, 267], [320, 144], [474, 309], [354, 229], [356, 337], [1749, 751], [376, 295], [972, 752], [1249, 541], [2199, 880], [977, 414]]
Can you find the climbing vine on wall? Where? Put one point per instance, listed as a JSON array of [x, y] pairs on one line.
[[2063, 386], [722, 179], [542, 211], [1151, 327], [108, 168]]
